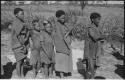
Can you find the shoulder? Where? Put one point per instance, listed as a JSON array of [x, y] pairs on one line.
[[16, 23]]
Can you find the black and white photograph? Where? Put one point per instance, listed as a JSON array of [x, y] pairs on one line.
[[62, 39]]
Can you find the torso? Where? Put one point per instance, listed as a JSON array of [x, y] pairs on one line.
[[35, 37]]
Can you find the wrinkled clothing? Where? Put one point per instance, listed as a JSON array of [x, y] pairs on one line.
[[92, 48], [92, 44], [63, 47], [35, 48], [47, 41], [20, 39]]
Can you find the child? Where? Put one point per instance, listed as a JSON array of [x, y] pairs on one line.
[[47, 51], [91, 49], [35, 47], [20, 40]]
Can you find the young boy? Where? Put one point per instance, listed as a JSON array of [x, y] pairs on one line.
[[47, 50], [35, 47], [91, 49], [20, 40]]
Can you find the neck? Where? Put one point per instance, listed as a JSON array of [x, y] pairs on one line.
[[20, 19], [61, 22], [95, 24]]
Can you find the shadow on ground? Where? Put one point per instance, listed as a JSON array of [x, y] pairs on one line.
[[8, 70], [81, 67], [120, 71], [99, 77], [118, 56], [120, 68]]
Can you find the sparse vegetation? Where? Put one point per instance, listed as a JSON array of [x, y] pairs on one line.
[[112, 23]]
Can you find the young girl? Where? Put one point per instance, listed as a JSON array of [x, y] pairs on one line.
[[47, 50], [35, 47]]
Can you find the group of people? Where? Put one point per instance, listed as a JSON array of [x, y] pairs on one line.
[[51, 46]]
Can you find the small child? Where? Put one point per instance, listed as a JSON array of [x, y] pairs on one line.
[[35, 47], [47, 50]]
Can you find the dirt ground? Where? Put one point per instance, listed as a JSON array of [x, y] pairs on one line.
[[111, 63]]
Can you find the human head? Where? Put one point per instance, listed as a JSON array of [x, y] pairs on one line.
[[95, 18], [60, 14], [47, 26], [19, 13], [35, 24]]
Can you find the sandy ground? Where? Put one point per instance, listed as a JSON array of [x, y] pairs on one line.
[[111, 64]]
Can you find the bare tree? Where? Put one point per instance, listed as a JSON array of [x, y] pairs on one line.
[[83, 4]]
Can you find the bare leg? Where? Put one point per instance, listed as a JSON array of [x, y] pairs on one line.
[[51, 70], [22, 68], [90, 69], [34, 71], [46, 70], [18, 68], [61, 75]]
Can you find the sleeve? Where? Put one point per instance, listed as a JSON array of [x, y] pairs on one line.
[[96, 37], [12, 30], [17, 27], [93, 34]]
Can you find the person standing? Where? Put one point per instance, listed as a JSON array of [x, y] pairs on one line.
[[47, 49], [62, 42], [20, 40], [35, 59], [92, 42]]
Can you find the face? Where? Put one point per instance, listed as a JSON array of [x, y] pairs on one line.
[[97, 21], [36, 26], [48, 27], [62, 19], [20, 15]]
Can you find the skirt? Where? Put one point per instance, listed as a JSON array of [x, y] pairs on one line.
[[48, 57], [20, 53], [63, 62], [35, 57]]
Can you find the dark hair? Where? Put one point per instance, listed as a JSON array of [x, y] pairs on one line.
[[35, 20], [17, 10], [94, 15], [47, 22], [59, 13]]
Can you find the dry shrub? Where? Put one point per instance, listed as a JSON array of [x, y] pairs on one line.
[[72, 15], [114, 26], [6, 19]]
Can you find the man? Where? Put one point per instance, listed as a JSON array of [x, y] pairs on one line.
[[62, 42], [20, 40], [91, 51]]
